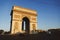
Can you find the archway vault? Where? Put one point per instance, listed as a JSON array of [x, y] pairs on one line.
[[20, 15], [25, 24]]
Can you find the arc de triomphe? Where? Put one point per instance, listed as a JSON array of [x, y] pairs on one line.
[[23, 20]]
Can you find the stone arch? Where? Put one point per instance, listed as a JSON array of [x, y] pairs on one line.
[[25, 24], [19, 15]]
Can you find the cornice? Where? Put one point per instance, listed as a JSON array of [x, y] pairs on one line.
[[18, 8]]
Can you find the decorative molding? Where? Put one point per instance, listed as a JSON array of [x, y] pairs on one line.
[[25, 12]]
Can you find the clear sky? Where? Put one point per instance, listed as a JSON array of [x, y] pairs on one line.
[[48, 12]]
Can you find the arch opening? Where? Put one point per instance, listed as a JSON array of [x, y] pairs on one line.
[[26, 25]]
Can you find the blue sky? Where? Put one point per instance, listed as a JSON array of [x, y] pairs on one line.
[[48, 12]]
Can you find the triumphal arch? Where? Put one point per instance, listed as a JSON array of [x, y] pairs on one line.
[[23, 20]]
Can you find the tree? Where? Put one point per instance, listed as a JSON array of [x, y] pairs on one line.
[[1, 31]]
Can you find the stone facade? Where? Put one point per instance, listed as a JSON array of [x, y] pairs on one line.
[[17, 15]]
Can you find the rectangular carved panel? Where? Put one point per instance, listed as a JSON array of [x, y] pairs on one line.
[[16, 16]]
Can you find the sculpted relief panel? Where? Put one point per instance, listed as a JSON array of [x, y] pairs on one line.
[[16, 27]]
